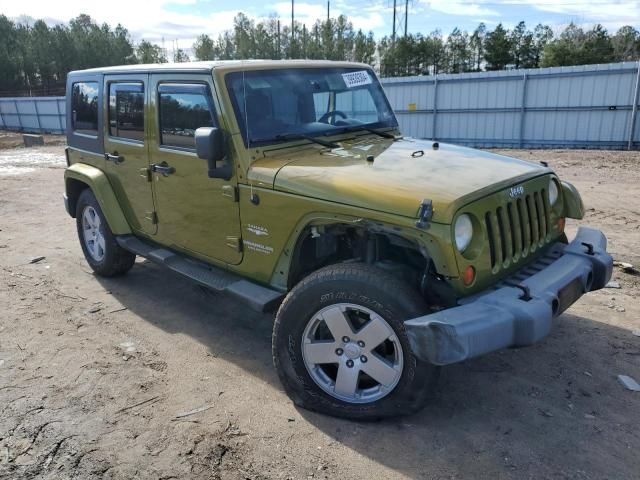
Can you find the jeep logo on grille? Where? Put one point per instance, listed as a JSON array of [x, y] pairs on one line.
[[516, 191]]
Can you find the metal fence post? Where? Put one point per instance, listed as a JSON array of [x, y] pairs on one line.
[[35, 106], [59, 115], [435, 107], [4, 124], [18, 115], [634, 110], [523, 111]]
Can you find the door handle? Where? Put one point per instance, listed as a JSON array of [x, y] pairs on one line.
[[162, 168], [115, 158]]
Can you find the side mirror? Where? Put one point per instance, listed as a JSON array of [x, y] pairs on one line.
[[210, 147]]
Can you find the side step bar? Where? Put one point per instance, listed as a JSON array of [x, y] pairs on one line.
[[257, 297]]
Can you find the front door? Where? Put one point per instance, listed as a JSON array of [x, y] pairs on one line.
[[196, 214], [126, 148]]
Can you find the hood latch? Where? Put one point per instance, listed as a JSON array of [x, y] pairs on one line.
[[425, 213]]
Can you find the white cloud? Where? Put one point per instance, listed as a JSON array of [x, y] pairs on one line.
[[610, 14], [454, 7], [151, 19], [305, 13]]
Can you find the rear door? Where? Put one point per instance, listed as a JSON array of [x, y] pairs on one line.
[[197, 214], [126, 148]]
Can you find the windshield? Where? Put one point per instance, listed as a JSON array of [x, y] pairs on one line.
[[276, 105]]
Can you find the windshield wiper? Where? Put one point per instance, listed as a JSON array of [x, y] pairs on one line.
[[296, 136], [355, 128]]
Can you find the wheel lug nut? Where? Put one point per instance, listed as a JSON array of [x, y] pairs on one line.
[[363, 358], [349, 363], [345, 339], [339, 351], [360, 343]]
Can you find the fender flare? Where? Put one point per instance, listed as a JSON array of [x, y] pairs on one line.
[[430, 243], [97, 181], [573, 206]]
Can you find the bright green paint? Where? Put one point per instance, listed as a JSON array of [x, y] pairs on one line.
[[96, 179], [195, 214], [129, 178]]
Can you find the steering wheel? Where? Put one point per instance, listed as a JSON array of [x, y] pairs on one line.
[[325, 118]]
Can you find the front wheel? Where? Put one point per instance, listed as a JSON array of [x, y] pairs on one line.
[[340, 346]]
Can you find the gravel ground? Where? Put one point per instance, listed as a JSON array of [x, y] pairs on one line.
[[150, 376]]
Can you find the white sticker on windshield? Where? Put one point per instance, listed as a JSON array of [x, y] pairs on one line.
[[355, 79]]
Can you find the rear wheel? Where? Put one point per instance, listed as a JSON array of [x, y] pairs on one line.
[[102, 252], [340, 346]]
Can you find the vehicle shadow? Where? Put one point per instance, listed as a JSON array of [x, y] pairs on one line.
[[552, 410]]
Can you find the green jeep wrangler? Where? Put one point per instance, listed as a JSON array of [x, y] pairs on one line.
[[287, 184]]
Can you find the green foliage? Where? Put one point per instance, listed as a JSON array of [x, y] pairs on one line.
[[498, 49], [37, 57], [574, 46], [147, 52], [204, 48]]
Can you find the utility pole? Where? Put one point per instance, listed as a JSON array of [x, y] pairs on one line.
[[406, 16], [304, 41], [328, 9], [292, 22], [393, 34], [279, 55]]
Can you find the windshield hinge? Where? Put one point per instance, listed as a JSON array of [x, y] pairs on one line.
[[230, 192], [146, 173], [234, 243], [151, 217], [425, 213]]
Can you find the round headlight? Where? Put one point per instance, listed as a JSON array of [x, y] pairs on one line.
[[553, 192], [463, 230]]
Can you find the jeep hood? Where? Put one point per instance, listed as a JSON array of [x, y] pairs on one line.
[[401, 175]]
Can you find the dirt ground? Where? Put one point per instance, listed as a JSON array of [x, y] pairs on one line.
[[100, 378]]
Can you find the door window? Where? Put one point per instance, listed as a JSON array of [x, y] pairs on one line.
[[183, 109], [126, 111], [84, 105]]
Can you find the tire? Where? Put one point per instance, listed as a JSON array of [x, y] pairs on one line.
[[364, 295], [102, 252]]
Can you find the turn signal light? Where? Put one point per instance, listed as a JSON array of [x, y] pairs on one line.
[[469, 275], [561, 223]]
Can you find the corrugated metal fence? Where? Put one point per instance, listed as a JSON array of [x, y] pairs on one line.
[[33, 114], [590, 106]]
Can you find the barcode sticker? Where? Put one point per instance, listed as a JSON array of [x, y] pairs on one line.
[[356, 79]]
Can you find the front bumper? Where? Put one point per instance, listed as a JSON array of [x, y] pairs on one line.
[[518, 311]]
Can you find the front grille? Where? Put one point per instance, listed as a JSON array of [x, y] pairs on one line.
[[517, 228]]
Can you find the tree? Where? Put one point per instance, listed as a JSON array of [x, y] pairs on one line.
[[626, 44], [597, 47], [203, 48], [364, 47], [542, 35], [458, 53], [476, 47], [574, 46], [10, 68], [243, 36], [180, 56], [498, 49], [147, 52]]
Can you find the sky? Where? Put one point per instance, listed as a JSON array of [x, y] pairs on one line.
[[178, 22]]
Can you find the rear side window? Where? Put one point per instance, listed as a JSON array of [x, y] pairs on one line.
[[183, 109], [126, 110], [84, 106]]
